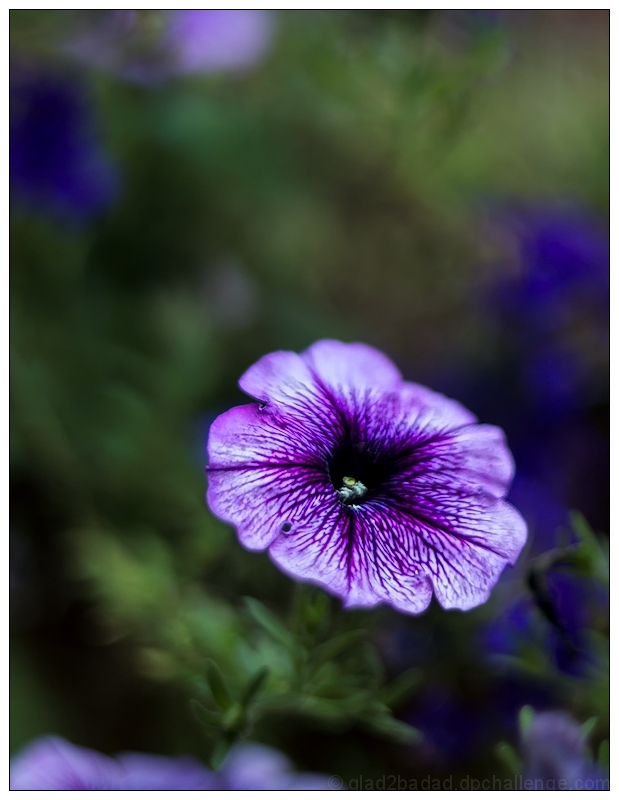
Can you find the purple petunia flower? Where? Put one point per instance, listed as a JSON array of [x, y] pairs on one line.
[[565, 260], [556, 311], [377, 489], [150, 46], [555, 751], [57, 163], [255, 766], [218, 40], [54, 763]]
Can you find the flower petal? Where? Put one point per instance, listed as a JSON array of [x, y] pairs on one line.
[[432, 412], [282, 379], [264, 502], [386, 565], [319, 551], [267, 472], [431, 516], [54, 764], [355, 555], [474, 455], [252, 766], [462, 541], [143, 771], [249, 436], [351, 369], [209, 40]]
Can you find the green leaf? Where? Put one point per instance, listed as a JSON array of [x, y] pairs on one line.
[[582, 528], [378, 709], [525, 718], [374, 666], [324, 709], [355, 703], [318, 614], [234, 719], [401, 687], [393, 728], [506, 753], [591, 550], [531, 662], [604, 754], [588, 726], [328, 650], [218, 686], [209, 718], [269, 622], [220, 751], [254, 685]]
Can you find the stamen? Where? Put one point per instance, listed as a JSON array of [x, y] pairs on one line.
[[352, 491]]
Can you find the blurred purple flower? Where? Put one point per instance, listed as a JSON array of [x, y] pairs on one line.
[[377, 489], [555, 751], [217, 40], [57, 164], [555, 312], [150, 46], [555, 379], [53, 763], [254, 766], [581, 606], [458, 726], [453, 729], [578, 605], [510, 630], [564, 258], [549, 389]]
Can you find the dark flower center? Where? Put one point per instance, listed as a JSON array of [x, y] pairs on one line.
[[358, 472]]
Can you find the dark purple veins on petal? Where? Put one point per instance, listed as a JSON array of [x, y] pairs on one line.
[[380, 492]]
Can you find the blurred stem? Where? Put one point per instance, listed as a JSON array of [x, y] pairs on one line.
[[297, 624], [299, 599]]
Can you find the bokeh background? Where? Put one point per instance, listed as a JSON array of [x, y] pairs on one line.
[[192, 190]]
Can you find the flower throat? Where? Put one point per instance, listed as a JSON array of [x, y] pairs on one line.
[[356, 473]]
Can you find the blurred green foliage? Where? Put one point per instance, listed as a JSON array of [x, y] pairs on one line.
[[339, 189]]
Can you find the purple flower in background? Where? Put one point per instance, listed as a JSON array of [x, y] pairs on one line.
[[580, 604], [509, 631], [558, 623], [453, 729], [218, 40], [564, 257], [557, 307], [254, 766], [554, 750], [56, 161], [377, 489], [54, 763], [549, 386], [149, 46], [565, 248]]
